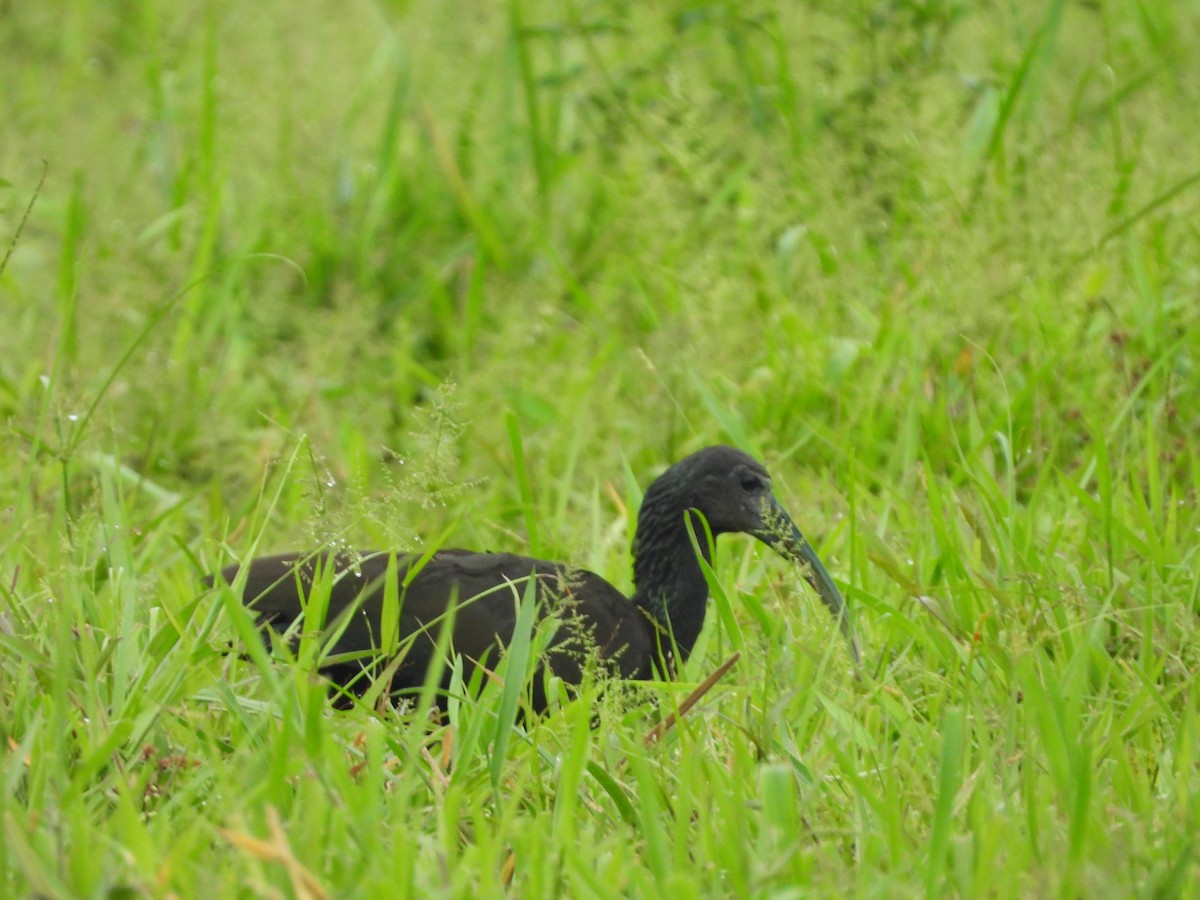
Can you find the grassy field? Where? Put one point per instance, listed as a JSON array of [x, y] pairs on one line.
[[398, 274]]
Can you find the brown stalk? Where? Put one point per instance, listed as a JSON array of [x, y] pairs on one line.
[[691, 700]]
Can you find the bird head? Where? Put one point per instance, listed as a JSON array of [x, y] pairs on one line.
[[732, 491]]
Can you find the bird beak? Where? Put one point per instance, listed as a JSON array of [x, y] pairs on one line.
[[780, 533]]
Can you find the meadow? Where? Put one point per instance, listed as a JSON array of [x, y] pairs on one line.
[[411, 274]]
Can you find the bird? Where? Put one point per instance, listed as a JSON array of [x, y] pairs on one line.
[[715, 491]]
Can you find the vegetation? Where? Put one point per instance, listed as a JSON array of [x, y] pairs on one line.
[[398, 274]]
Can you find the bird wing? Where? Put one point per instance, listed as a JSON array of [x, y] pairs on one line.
[[596, 619]]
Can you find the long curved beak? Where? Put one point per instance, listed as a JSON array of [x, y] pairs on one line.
[[782, 535]]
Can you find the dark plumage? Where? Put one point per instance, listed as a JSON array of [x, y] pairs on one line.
[[634, 637]]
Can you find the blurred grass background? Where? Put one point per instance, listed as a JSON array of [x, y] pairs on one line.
[[291, 275]]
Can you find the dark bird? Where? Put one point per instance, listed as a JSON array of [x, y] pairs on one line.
[[636, 637]]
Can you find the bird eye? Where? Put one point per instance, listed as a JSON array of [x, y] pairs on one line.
[[750, 482]]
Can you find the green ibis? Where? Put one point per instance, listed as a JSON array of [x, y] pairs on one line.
[[635, 637]]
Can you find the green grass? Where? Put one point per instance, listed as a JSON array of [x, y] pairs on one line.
[[396, 274]]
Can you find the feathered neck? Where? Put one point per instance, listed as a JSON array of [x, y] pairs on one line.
[[669, 583]]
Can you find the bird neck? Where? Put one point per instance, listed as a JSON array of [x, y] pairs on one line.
[[669, 582]]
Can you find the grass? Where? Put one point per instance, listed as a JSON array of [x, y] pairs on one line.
[[390, 275]]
